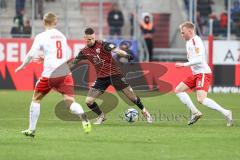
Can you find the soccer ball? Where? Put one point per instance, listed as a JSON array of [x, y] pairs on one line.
[[131, 115]]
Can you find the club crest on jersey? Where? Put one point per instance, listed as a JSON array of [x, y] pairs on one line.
[[98, 50], [197, 50]]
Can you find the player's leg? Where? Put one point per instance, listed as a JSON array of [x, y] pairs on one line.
[[202, 85], [93, 93], [41, 89], [188, 83], [184, 97], [76, 108], [203, 99], [34, 113], [98, 88], [120, 83], [65, 86], [128, 91]]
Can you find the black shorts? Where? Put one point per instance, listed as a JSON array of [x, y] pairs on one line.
[[118, 81]]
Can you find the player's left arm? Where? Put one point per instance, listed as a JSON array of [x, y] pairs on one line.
[[194, 61], [26, 61]]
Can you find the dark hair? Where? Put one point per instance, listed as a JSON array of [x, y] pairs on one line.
[[89, 31]]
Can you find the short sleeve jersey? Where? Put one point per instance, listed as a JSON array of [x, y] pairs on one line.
[[196, 51], [53, 44], [100, 56]]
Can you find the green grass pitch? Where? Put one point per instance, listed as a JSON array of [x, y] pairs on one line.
[[169, 138]]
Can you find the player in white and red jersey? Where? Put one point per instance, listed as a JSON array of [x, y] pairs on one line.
[[55, 74], [200, 78]]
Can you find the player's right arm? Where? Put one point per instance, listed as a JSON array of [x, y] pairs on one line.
[[34, 49], [194, 61], [197, 54], [26, 61], [73, 62]]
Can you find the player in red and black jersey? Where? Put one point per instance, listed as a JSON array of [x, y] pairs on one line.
[[108, 73]]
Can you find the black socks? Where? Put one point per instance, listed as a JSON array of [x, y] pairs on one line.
[[95, 108], [138, 103]]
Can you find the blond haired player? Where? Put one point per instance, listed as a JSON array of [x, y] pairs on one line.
[[55, 74], [200, 78]]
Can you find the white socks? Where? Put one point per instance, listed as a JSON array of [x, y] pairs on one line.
[[213, 105], [76, 109], [183, 96], [33, 115], [185, 99]]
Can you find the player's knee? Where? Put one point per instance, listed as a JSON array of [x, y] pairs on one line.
[[68, 103], [36, 100], [89, 101], [136, 100], [133, 98], [69, 98], [200, 100], [176, 91]]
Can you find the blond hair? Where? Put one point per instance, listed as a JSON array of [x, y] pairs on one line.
[[187, 24], [50, 19]]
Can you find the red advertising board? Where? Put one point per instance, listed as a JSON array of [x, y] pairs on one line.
[[13, 51]]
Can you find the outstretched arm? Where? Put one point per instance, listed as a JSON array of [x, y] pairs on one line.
[[26, 61], [34, 49]]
